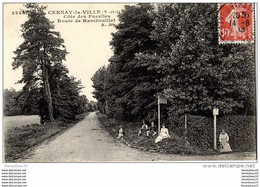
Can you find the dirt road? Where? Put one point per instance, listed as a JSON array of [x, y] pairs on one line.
[[88, 141]]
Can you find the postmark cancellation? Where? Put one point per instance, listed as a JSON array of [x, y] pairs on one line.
[[236, 23]]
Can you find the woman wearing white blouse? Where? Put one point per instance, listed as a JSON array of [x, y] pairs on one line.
[[224, 145], [164, 133]]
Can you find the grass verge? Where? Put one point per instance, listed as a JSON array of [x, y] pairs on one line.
[[173, 145], [19, 141]]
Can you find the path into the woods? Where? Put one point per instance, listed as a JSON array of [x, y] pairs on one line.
[[88, 141]]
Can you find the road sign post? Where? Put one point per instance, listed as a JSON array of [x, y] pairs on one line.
[[185, 121], [160, 101], [159, 127], [215, 113]]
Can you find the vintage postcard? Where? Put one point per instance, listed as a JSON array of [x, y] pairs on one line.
[[122, 82]]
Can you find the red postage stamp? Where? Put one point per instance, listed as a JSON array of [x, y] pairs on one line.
[[236, 22]]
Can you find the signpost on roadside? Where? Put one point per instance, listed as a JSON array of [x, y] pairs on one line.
[[185, 122], [160, 101], [215, 113]]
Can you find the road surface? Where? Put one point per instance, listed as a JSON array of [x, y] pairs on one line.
[[88, 141]]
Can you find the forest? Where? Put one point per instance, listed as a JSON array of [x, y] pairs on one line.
[[172, 51]]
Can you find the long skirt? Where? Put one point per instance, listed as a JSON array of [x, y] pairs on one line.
[[225, 147], [161, 137]]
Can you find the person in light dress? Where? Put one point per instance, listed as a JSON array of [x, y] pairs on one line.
[[223, 139], [164, 133]]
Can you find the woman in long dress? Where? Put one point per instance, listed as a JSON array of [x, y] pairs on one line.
[[164, 133], [224, 145]]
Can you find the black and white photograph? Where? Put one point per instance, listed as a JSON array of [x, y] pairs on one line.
[[129, 82]]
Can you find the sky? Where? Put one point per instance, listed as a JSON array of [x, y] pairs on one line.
[[86, 42]]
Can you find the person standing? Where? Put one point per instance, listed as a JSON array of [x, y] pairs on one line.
[[224, 139]]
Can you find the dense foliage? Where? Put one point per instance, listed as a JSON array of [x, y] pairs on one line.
[[173, 50], [46, 79], [16, 103], [200, 73], [127, 87], [240, 129]]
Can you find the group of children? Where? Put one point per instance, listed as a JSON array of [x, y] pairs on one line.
[[149, 130]]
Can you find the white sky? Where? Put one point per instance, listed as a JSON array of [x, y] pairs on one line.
[[87, 43]]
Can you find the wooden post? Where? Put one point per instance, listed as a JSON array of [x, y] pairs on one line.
[[159, 126], [160, 101], [215, 132], [185, 117], [215, 113]]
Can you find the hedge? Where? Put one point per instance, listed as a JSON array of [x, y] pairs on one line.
[[240, 129]]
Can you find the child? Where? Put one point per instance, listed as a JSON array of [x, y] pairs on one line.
[[143, 129], [152, 130], [121, 132]]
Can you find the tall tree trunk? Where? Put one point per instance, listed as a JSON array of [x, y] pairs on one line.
[[48, 91]]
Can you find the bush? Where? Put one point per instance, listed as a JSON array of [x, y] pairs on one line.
[[240, 129], [173, 145], [14, 111], [200, 131]]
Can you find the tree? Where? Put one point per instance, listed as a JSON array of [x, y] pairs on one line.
[[10, 107], [20, 103], [198, 72], [98, 80], [130, 85], [41, 50], [28, 101], [173, 50], [65, 90]]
